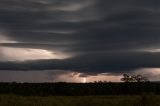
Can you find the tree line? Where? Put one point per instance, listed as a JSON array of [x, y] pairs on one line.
[[134, 78], [133, 85], [79, 89]]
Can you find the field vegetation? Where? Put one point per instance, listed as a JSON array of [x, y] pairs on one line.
[[142, 100]]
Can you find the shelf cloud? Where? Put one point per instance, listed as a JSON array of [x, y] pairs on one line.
[[85, 36]]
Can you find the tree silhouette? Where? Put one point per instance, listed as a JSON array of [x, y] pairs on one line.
[[126, 78], [134, 78], [140, 78]]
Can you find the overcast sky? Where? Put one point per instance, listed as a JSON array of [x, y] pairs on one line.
[[69, 40]]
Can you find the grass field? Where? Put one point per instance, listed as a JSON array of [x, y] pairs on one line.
[[143, 100]]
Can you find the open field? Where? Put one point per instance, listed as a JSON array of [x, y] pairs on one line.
[[78, 94], [143, 100]]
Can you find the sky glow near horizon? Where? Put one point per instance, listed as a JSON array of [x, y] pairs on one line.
[[78, 40]]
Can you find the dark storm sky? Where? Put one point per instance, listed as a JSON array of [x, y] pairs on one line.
[[96, 36]]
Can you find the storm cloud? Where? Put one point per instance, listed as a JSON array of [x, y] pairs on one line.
[[98, 36], [91, 63]]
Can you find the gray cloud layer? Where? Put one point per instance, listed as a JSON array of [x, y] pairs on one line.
[[103, 35], [91, 63]]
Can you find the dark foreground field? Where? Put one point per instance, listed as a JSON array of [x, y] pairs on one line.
[[78, 89], [78, 94], [142, 100]]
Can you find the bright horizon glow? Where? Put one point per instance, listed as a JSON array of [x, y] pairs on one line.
[[84, 80]]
